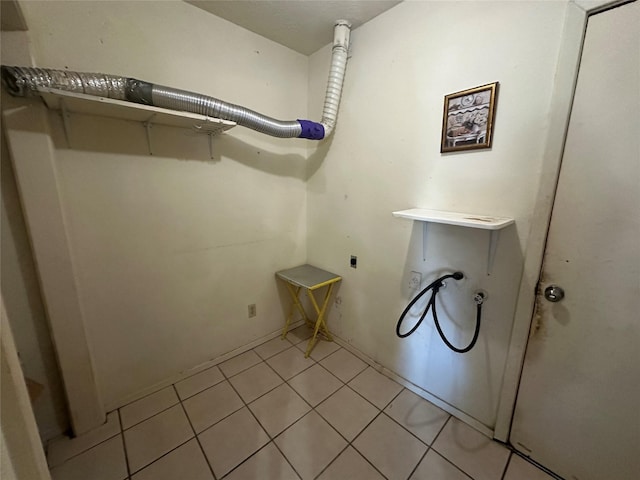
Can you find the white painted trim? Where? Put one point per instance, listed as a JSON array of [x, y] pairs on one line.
[[347, 346], [591, 7], [21, 447], [192, 371], [472, 422], [566, 76], [33, 155]]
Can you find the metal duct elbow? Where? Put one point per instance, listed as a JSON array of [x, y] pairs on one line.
[[22, 81]]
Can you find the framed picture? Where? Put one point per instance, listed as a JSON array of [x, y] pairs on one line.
[[468, 118]]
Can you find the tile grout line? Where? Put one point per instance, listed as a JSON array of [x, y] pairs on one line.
[[84, 450], [441, 429], [442, 455], [206, 459], [149, 394], [166, 453], [350, 442], [148, 418], [451, 463], [314, 362], [120, 433], [420, 461], [312, 408], [530, 461], [124, 445], [180, 400], [245, 404], [381, 412], [265, 358], [285, 382], [199, 391], [297, 373], [429, 446], [271, 439], [162, 456], [225, 378], [239, 371], [333, 461], [506, 466], [324, 358]]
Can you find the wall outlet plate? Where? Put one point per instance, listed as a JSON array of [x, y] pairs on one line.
[[415, 280], [252, 310]]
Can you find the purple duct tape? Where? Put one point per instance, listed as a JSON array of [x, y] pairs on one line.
[[311, 130]]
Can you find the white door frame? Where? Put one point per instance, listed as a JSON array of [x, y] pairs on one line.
[[575, 26]]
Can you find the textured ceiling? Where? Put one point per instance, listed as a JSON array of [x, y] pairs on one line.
[[302, 25]]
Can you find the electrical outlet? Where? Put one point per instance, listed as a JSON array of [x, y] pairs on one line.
[[252, 310], [415, 280]]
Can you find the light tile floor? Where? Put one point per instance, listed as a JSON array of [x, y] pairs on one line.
[[271, 414]]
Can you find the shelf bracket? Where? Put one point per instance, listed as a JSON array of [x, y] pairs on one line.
[[147, 126], [494, 224], [493, 246], [424, 241], [65, 121]]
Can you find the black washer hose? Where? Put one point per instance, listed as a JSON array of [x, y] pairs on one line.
[[435, 286]]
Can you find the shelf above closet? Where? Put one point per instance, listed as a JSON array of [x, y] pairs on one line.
[[484, 222], [70, 102]]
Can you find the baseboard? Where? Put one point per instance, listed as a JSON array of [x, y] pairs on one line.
[[197, 369], [472, 422]]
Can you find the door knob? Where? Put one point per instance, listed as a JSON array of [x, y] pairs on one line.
[[554, 293]]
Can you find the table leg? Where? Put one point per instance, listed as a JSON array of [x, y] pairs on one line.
[[320, 325], [294, 291]]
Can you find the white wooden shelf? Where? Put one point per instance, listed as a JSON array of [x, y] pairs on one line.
[[70, 102], [455, 218], [469, 220]]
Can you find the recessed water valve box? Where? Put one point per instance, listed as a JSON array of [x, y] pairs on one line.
[[415, 280]]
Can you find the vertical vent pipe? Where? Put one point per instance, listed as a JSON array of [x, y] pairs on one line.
[[341, 36]]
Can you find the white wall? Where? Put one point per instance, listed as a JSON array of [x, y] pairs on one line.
[[385, 157], [170, 249]]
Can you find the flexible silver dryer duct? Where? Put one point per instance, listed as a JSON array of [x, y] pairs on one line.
[[22, 81]]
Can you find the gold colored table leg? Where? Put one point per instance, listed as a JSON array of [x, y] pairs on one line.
[[320, 325], [294, 303], [295, 291]]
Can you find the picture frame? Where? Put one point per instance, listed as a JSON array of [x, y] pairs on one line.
[[468, 119]]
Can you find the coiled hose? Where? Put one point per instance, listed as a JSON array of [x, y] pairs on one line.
[[435, 287]]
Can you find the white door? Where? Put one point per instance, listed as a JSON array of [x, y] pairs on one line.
[[578, 406]]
